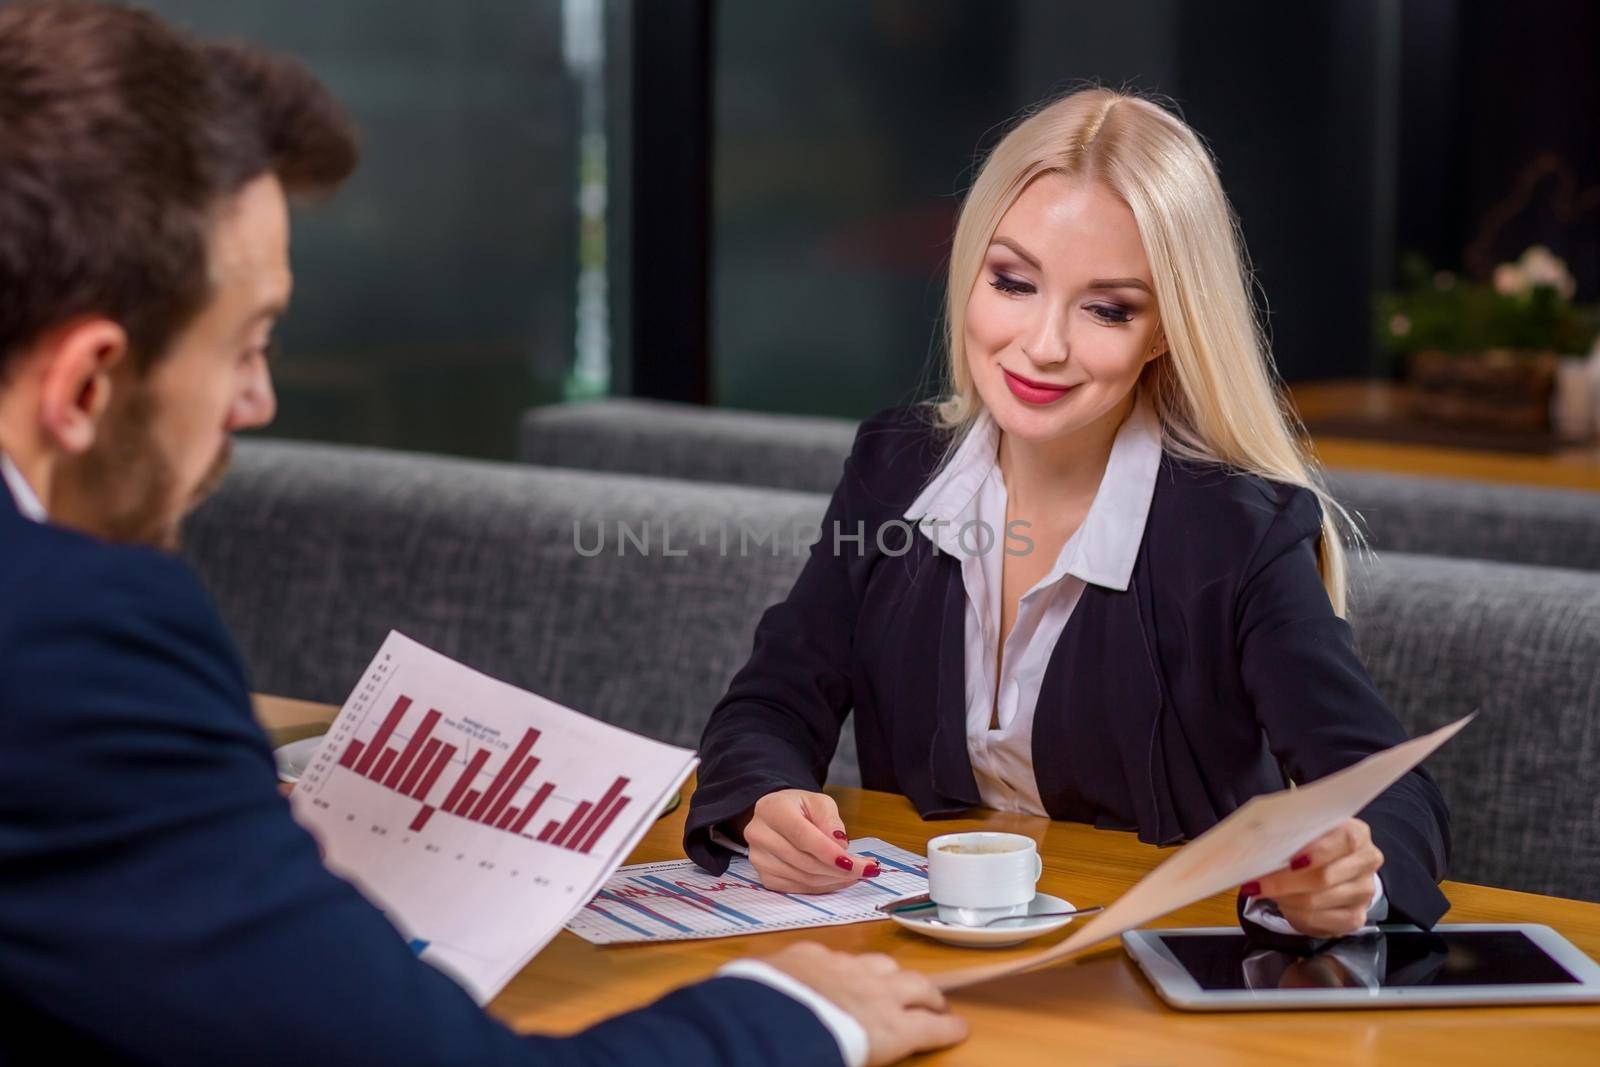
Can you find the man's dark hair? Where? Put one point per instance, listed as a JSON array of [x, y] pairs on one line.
[[119, 138]]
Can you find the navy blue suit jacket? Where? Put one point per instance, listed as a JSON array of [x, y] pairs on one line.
[[159, 905], [1219, 673]]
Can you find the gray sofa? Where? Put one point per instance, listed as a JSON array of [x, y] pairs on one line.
[[1436, 516], [315, 552]]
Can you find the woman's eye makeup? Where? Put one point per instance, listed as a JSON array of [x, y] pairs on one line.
[[1114, 314], [1110, 314], [1007, 284]]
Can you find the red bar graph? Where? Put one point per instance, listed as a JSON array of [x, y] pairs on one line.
[[532, 806], [581, 833], [410, 753], [604, 824], [415, 769], [422, 763], [432, 775], [511, 790], [572, 823], [381, 738], [465, 780], [491, 796]]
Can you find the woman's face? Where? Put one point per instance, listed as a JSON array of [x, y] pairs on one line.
[[1063, 315]]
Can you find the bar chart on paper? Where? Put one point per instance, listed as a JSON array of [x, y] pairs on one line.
[[415, 769], [479, 816], [677, 901]]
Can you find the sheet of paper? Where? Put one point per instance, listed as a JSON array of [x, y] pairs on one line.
[[478, 816], [1260, 837], [676, 901]]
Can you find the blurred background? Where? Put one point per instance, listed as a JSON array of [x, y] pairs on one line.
[[748, 204]]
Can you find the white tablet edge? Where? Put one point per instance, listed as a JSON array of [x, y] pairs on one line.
[[1175, 986]]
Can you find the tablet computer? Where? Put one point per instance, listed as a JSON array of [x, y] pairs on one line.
[[1219, 969]]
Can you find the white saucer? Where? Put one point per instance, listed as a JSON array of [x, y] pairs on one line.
[[295, 757], [1011, 932]]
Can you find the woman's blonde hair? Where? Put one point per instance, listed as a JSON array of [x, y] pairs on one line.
[[1214, 390]]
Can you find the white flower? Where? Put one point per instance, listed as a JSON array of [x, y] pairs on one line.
[[1540, 266], [1399, 325]]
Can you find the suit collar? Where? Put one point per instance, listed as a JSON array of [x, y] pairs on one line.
[[1103, 550]]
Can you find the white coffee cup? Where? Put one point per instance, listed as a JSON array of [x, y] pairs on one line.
[[983, 875]]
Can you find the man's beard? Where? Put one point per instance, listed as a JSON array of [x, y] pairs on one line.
[[124, 488]]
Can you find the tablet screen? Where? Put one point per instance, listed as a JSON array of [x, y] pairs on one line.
[[1229, 961]]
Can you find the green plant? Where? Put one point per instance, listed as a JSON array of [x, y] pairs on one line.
[[1526, 306]]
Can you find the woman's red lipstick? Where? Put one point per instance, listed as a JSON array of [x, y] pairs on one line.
[[1034, 392]]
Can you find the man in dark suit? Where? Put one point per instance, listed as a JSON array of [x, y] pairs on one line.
[[157, 902]]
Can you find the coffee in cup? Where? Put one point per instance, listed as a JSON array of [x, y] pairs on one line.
[[983, 875]]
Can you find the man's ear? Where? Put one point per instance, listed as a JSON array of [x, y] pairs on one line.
[[75, 383]]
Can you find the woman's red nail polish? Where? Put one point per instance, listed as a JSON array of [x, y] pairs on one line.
[[841, 835], [1300, 862], [872, 871], [1251, 889], [845, 863]]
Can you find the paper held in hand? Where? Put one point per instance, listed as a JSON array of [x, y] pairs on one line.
[[1260, 837], [478, 816]]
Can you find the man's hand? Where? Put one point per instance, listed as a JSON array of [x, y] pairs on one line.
[[797, 844], [900, 1010], [1326, 889]]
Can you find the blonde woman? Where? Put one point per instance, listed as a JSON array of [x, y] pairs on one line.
[[1100, 581]]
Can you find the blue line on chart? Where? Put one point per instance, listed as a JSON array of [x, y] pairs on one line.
[[682, 891], [886, 861], [786, 896], [622, 922], [642, 910], [868, 883]]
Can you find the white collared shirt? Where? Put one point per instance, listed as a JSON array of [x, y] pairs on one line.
[[963, 512], [28, 501]]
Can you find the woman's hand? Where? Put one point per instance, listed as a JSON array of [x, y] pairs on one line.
[[797, 843], [1326, 889]]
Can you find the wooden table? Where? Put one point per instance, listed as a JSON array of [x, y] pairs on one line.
[[1329, 403], [1097, 1010]]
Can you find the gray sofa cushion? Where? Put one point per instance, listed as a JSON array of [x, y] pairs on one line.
[[1437, 516], [1474, 520], [690, 442], [1521, 645], [315, 552]]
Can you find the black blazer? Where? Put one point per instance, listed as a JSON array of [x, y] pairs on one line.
[[147, 863], [1221, 672]]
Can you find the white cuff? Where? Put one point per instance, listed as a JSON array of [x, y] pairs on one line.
[[1265, 914], [720, 838], [850, 1035]]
